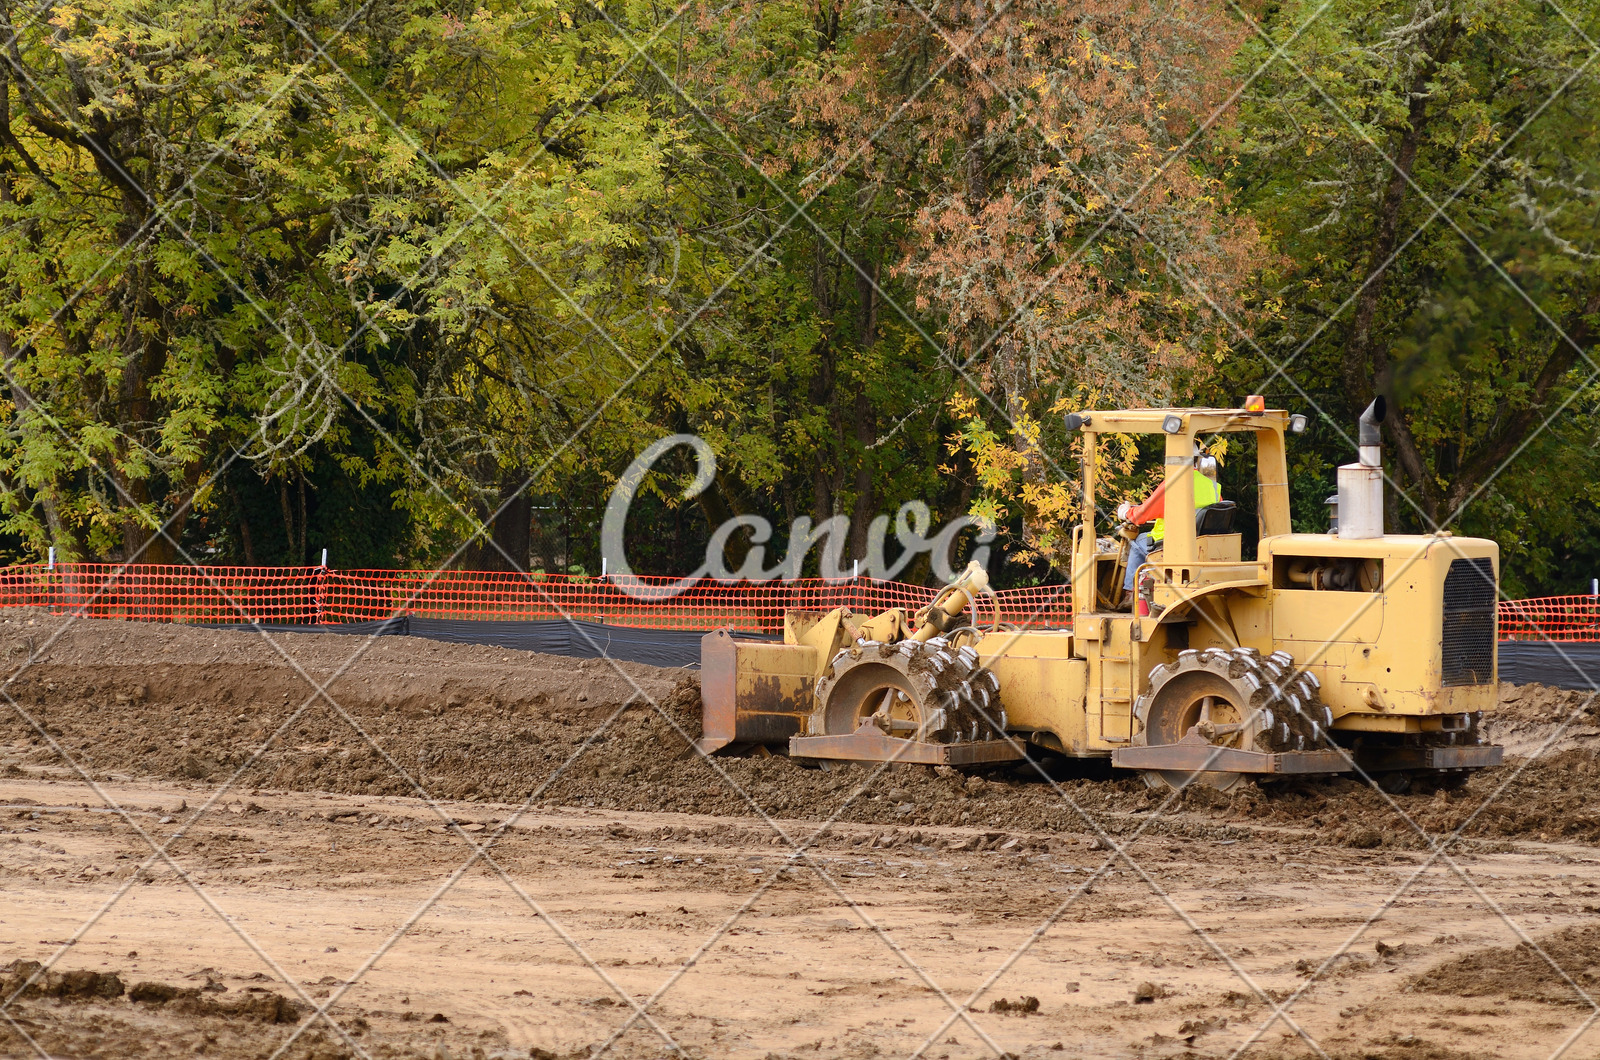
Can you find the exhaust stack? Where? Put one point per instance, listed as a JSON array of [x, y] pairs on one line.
[[1361, 484]]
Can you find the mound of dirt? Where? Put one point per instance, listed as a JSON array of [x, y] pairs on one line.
[[27, 979], [411, 716], [456, 721], [1562, 964], [24, 979], [82, 1012], [1541, 719]]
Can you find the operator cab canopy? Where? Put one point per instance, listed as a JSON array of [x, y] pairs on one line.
[[1181, 422], [1182, 428]]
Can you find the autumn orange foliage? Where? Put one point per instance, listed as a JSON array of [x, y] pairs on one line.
[[1063, 223]]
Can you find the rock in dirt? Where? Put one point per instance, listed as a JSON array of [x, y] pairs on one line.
[[1196, 1027], [153, 993], [1025, 1005]]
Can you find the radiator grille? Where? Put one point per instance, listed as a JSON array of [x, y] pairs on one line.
[[1469, 615]]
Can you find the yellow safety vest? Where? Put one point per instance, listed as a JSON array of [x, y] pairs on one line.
[[1206, 493]]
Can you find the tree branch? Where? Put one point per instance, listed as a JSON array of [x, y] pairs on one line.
[[1579, 327]]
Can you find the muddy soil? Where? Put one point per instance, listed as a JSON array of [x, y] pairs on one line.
[[1561, 967], [954, 941], [301, 834], [412, 716]]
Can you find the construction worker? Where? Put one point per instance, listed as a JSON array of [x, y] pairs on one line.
[[1206, 493]]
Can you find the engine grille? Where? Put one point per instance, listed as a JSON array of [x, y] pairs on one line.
[[1469, 617]]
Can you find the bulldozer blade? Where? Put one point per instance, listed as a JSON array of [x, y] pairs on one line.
[[753, 691], [1194, 754], [871, 744]]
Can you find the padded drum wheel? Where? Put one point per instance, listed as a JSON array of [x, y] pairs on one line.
[[1239, 699], [921, 691]]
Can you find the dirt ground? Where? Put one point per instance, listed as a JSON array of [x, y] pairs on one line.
[[478, 852]]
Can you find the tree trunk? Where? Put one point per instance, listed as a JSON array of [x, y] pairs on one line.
[[510, 533], [977, 179], [547, 546], [823, 397], [141, 542], [1365, 366], [288, 521], [245, 540], [866, 496], [865, 419]]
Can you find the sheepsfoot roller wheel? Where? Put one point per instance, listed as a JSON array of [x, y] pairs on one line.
[[1216, 717], [908, 701]]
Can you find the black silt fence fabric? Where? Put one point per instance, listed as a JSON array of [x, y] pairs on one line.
[[1564, 664], [578, 639]]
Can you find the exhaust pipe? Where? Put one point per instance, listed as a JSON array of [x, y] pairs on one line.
[[1369, 433], [1360, 511]]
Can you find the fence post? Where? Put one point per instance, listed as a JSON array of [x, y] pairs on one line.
[[321, 589]]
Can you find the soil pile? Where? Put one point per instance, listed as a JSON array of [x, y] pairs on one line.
[[1543, 720], [82, 1012], [411, 716], [1563, 967]]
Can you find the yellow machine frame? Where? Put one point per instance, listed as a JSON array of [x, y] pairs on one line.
[[1374, 641]]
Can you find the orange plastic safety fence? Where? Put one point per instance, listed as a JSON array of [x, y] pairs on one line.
[[173, 593], [646, 601], [1568, 618], [176, 593], [148, 592], [705, 604], [1039, 607]]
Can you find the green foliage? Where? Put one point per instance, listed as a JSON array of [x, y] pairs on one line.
[[1428, 174], [232, 232], [439, 264]]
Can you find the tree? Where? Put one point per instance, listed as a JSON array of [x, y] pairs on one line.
[[870, 205], [1053, 220], [1431, 181], [231, 230]]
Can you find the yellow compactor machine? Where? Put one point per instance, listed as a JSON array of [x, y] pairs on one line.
[[1323, 653]]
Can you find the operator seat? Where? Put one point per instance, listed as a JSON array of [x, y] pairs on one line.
[[1215, 519]]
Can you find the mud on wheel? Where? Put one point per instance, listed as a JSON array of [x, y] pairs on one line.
[[1239, 699], [930, 691]]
